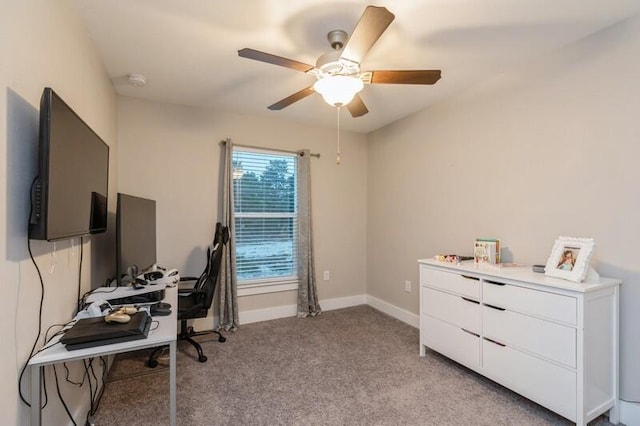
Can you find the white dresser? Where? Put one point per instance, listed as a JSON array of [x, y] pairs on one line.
[[550, 340]]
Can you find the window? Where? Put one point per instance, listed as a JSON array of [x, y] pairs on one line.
[[266, 217]]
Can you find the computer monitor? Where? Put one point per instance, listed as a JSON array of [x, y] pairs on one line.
[[135, 236]]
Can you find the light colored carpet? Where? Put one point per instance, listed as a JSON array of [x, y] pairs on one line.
[[352, 366]]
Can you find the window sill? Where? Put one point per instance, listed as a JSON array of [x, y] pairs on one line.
[[263, 288]]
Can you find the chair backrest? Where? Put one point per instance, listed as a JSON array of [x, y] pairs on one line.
[[209, 278]]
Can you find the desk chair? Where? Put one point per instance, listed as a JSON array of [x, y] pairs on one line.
[[195, 302]]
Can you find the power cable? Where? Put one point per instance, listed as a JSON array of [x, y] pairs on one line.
[[64, 404], [80, 275]]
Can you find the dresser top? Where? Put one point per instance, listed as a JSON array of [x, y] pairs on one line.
[[522, 274]]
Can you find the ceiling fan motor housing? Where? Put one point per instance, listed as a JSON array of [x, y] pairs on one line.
[[330, 63], [337, 39]]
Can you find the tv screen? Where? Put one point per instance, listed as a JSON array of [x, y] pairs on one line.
[[70, 195], [135, 236]]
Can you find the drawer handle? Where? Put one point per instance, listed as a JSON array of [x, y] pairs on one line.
[[494, 342], [494, 307], [494, 282], [470, 332], [469, 277], [470, 300]]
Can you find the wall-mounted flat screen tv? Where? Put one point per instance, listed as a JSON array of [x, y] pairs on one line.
[[70, 194]]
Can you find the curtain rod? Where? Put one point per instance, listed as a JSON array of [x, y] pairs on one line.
[[271, 149]]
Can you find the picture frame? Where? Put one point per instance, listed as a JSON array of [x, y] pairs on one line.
[[569, 258]]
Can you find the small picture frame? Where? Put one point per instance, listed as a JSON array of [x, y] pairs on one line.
[[569, 258]]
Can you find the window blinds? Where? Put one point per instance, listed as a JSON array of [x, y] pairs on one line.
[[266, 215]]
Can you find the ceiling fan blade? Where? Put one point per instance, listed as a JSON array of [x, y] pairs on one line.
[[405, 77], [373, 22], [274, 59], [292, 99], [356, 107]]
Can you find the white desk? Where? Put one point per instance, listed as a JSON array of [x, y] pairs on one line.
[[164, 334]]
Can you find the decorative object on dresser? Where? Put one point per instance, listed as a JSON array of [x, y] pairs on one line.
[[486, 250], [452, 258], [569, 259], [538, 268], [550, 340]]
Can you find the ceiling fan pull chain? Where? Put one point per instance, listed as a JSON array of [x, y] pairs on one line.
[[338, 151]]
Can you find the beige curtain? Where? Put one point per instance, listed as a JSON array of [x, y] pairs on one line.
[[228, 288], [307, 294]]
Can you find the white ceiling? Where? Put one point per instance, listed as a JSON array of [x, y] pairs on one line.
[[187, 49]]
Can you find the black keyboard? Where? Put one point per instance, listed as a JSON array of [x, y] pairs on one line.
[[151, 297]]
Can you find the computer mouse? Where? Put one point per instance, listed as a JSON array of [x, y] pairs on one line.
[[163, 305], [118, 317], [159, 311]]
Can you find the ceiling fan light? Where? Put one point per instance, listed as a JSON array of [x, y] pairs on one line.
[[338, 90]]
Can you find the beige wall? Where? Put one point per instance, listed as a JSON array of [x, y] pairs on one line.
[[43, 43], [550, 149], [172, 154]]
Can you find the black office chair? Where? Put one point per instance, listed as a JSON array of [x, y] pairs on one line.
[[195, 302]]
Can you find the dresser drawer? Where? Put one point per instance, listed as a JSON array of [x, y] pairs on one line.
[[547, 339], [545, 383], [451, 341], [457, 310], [532, 302], [452, 282]]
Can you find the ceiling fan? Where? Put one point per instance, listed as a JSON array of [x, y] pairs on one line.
[[338, 72]]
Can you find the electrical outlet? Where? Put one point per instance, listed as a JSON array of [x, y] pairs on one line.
[[326, 276], [407, 286]]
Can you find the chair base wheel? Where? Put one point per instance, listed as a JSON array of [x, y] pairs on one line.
[[222, 339], [152, 363], [202, 358]]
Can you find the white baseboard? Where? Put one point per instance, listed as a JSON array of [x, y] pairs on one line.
[[343, 302], [286, 311], [630, 413], [258, 315], [392, 310]]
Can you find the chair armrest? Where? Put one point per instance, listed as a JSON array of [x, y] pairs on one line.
[[190, 291], [186, 284]]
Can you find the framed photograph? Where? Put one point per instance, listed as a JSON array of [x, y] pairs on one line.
[[570, 258]]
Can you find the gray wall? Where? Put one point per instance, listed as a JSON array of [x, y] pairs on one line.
[[546, 150], [44, 43]]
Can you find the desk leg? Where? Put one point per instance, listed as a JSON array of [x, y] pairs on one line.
[[36, 372], [172, 383]]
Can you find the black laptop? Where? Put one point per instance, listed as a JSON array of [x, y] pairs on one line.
[[90, 332]]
